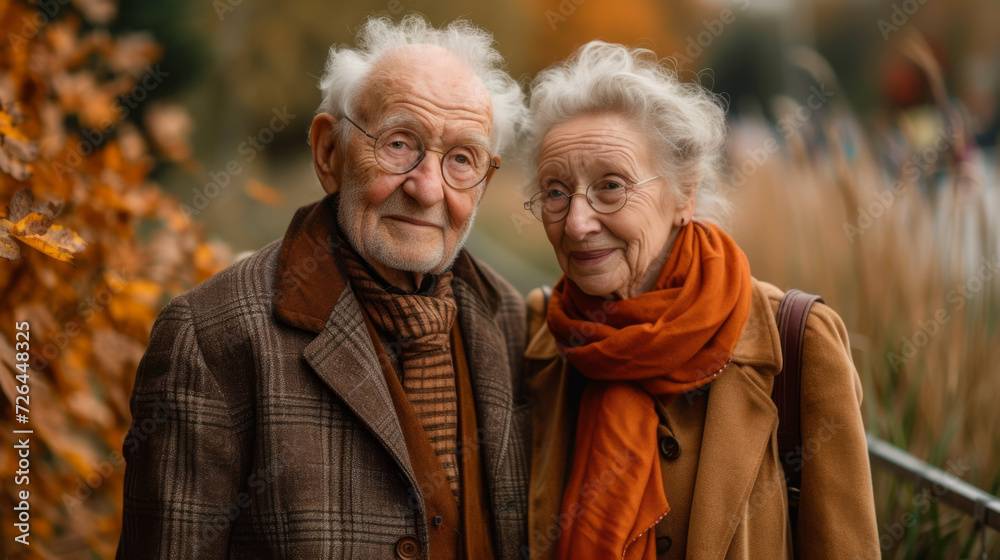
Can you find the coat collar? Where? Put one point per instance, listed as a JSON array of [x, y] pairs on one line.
[[309, 280], [759, 345]]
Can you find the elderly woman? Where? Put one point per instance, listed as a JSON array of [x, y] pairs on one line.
[[651, 373]]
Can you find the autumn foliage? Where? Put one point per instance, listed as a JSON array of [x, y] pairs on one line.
[[91, 249]]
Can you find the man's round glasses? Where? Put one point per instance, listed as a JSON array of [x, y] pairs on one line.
[[606, 196], [399, 151]]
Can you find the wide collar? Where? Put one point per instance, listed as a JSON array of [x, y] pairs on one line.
[[310, 280], [313, 294]]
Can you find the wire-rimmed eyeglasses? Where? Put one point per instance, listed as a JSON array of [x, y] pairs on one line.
[[606, 196], [399, 150]]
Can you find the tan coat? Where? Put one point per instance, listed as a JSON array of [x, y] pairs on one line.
[[723, 478]]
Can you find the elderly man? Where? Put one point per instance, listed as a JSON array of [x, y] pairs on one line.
[[352, 391]]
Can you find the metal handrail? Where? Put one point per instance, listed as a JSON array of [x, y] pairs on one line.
[[983, 507]]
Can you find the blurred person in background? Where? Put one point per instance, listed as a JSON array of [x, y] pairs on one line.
[[352, 389], [650, 368]]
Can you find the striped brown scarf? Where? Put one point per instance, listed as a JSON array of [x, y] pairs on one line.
[[421, 326]]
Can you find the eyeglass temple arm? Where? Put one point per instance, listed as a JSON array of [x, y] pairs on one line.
[[363, 131]]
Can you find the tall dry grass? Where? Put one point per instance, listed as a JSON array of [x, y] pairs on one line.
[[909, 258]]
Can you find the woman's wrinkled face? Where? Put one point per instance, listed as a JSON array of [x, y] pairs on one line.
[[617, 255]]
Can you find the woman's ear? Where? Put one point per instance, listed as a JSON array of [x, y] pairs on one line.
[[684, 214], [323, 138]]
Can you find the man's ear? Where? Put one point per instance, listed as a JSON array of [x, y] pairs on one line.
[[327, 158]]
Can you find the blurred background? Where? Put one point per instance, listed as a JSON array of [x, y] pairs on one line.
[[161, 140]]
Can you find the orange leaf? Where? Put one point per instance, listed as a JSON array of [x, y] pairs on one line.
[[7, 122], [268, 195], [97, 11], [169, 127], [23, 150], [8, 248], [13, 166], [57, 242], [20, 205], [34, 223]]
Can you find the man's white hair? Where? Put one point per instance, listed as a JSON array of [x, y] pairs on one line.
[[347, 68], [683, 122]]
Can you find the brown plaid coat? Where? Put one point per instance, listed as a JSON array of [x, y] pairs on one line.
[[263, 428]]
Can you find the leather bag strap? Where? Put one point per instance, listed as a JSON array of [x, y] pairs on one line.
[[792, 315]]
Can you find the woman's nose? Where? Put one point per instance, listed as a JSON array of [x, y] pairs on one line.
[[581, 219]]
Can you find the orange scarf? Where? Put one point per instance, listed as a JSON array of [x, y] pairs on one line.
[[660, 344]]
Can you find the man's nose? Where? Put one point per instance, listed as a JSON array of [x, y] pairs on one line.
[[425, 182]]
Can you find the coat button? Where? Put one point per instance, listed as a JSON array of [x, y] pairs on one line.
[[438, 520], [670, 448], [407, 548], [663, 545]]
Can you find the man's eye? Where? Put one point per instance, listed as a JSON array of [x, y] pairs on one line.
[[461, 158], [555, 194], [400, 142]]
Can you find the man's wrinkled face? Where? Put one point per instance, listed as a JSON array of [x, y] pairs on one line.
[[413, 222]]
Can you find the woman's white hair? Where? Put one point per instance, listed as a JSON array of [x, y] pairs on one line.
[[684, 122], [347, 68]]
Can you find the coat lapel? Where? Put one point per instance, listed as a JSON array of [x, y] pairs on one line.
[[345, 359], [489, 367], [739, 424], [312, 294]]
